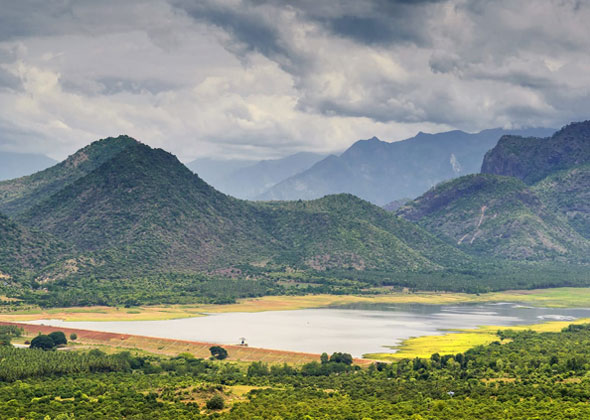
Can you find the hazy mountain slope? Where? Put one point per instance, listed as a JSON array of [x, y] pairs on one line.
[[15, 165], [215, 171], [248, 181], [144, 210], [395, 204], [251, 181], [532, 159], [20, 194], [23, 252], [567, 193], [381, 172]]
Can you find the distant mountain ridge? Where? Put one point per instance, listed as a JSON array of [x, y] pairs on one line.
[[247, 180], [14, 165], [497, 213], [381, 172]]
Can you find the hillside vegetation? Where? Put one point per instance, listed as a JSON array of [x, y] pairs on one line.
[[529, 203], [521, 375], [532, 159], [143, 206], [19, 194], [121, 223], [23, 252]]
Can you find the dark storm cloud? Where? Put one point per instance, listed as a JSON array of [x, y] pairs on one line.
[[380, 22], [367, 21], [250, 26]]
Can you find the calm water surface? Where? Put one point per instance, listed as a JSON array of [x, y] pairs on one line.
[[355, 329]]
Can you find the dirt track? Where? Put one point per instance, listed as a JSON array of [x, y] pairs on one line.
[[171, 347]]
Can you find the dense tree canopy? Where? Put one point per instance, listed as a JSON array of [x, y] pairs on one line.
[[523, 375]]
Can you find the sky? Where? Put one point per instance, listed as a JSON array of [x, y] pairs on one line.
[[256, 79]]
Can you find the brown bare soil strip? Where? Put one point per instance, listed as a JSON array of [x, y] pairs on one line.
[[171, 347]]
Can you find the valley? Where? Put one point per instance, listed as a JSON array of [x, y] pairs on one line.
[[266, 210]]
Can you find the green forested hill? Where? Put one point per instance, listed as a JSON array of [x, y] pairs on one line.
[[567, 193], [17, 195], [144, 207], [532, 159], [529, 203], [499, 216], [147, 208]]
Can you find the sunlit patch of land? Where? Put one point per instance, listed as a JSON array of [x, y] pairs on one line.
[[560, 297], [459, 341]]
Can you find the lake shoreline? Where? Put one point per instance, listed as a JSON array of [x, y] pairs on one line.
[[565, 297], [373, 331]]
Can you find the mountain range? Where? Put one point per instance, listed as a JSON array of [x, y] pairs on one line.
[[14, 165], [120, 217], [381, 172]]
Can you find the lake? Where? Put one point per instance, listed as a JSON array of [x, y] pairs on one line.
[[356, 329]]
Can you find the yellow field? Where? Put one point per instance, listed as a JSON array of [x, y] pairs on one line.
[[459, 341], [561, 297]]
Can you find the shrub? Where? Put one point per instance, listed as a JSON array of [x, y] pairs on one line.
[[218, 352], [73, 336], [42, 342], [215, 403], [58, 338], [341, 358], [4, 340]]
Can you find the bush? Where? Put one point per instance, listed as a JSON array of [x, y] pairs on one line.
[[42, 342], [341, 358], [11, 330], [58, 338], [4, 340], [73, 336], [218, 352], [215, 403]]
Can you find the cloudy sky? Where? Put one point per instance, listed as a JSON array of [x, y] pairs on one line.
[[263, 79]]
